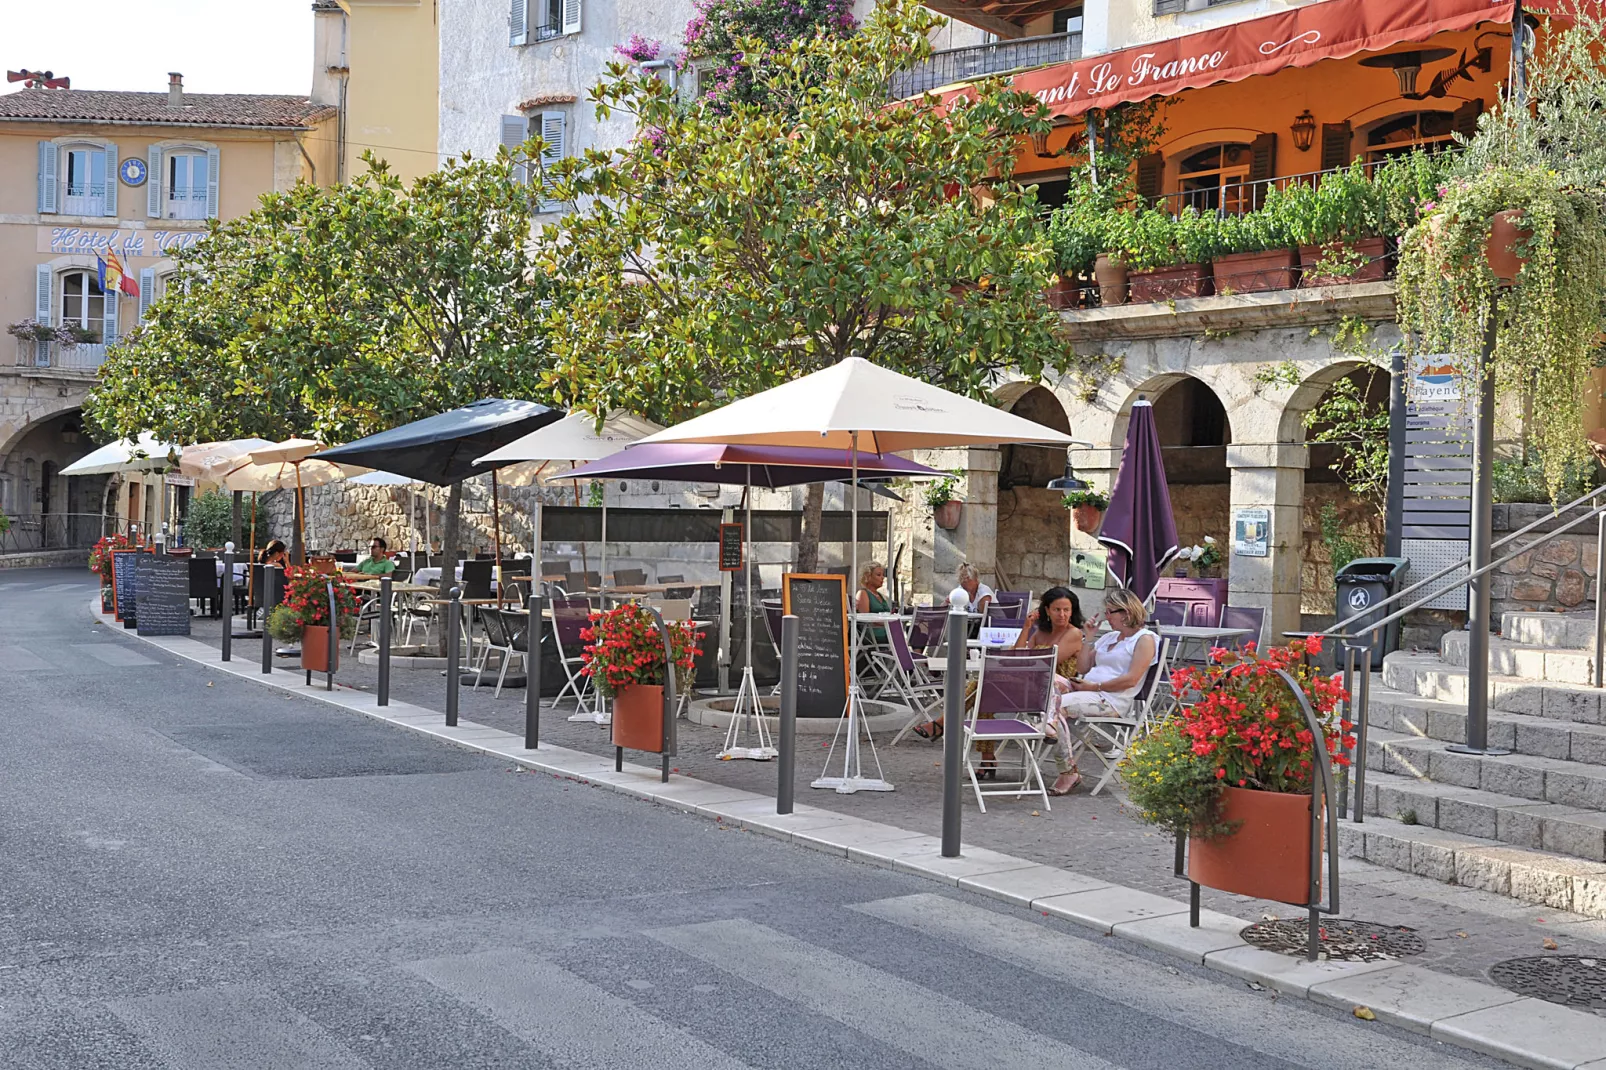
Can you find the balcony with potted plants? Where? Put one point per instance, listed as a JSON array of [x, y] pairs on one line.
[[1301, 244]]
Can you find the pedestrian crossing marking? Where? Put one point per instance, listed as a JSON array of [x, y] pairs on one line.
[[232, 1027], [580, 1025], [898, 1013]]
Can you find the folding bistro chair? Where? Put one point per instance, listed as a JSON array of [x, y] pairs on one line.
[[571, 616], [501, 629], [1007, 615], [1253, 618], [929, 630], [1011, 688], [629, 577], [909, 681], [1168, 613], [1117, 733], [1021, 600]]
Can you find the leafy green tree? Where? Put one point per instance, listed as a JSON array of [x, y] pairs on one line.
[[721, 34], [336, 312], [728, 250]]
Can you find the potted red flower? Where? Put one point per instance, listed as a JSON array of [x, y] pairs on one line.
[[1234, 770], [303, 615], [624, 656], [100, 563]]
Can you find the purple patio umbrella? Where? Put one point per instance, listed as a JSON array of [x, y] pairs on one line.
[[1138, 528]]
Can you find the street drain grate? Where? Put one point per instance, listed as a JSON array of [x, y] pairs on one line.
[[1345, 941], [1567, 979]]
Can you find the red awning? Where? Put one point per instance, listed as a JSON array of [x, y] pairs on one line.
[[1331, 29]]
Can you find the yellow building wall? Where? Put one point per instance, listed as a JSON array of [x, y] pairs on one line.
[[393, 90]]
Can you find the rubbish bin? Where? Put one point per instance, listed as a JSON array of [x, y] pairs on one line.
[[1365, 582]]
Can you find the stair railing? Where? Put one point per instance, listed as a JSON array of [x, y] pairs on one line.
[[1359, 705]]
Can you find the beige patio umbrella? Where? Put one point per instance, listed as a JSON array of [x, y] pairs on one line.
[[211, 461], [285, 465], [855, 405]]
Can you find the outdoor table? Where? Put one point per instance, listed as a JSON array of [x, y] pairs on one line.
[[1180, 635]]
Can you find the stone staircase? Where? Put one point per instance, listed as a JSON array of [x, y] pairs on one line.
[[1530, 824]]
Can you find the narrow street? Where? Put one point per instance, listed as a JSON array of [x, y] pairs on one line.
[[204, 874]]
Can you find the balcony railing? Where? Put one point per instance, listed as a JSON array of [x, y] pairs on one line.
[[84, 358], [961, 64]]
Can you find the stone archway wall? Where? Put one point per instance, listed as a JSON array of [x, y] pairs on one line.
[[1033, 547]]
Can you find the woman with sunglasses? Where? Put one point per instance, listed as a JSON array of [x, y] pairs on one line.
[[1111, 670]]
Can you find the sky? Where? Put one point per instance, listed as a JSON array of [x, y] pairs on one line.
[[220, 46]]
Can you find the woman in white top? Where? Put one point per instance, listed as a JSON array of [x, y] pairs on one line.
[[979, 593], [1112, 667]]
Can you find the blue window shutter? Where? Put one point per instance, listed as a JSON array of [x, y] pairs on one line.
[[554, 136], [147, 291], [42, 297], [211, 183], [518, 24], [514, 131], [153, 182], [111, 180], [47, 177], [109, 324]]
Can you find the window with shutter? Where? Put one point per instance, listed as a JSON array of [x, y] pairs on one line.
[[153, 182], [1170, 7], [84, 179], [47, 177], [111, 180], [42, 297], [518, 30], [1151, 173], [554, 138], [147, 292], [212, 177], [571, 16], [512, 133], [1262, 167], [1335, 145]]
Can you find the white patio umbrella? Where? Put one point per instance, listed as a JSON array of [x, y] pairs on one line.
[[145, 453], [285, 466], [856, 405], [211, 461], [571, 441]]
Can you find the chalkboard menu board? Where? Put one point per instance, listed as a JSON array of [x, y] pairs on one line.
[[730, 547], [123, 597], [821, 605], [162, 586]]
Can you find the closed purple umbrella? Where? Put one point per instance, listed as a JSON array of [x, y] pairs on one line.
[[1138, 528]]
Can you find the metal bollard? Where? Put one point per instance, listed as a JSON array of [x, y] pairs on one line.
[[1600, 602], [1349, 715], [227, 597], [454, 627], [953, 732], [786, 759], [270, 598], [1362, 719], [334, 639], [384, 639], [534, 633]]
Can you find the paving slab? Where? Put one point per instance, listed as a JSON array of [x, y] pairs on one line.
[[927, 861], [1022, 886], [1172, 933], [837, 839], [1105, 908], [1411, 997], [1529, 1032], [1285, 973]]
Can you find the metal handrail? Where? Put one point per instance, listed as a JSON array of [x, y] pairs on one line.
[[1463, 562]]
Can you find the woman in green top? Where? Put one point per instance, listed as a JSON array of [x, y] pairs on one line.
[[378, 562], [870, 599]]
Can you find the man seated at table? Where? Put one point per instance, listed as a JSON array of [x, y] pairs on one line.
[[378, 562]]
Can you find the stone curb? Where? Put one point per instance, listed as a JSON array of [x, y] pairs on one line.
[[1469, 1014]]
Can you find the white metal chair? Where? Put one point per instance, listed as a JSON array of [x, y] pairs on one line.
[[910, 682], [1107, 738], [570, 616], [1011, 688]]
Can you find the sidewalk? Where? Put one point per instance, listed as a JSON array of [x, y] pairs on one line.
[[1019, 852]]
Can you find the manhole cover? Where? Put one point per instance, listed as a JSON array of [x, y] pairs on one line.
[[1351, 941], [1570, 979]]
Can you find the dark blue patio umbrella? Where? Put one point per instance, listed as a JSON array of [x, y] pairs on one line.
[[1138, 527]]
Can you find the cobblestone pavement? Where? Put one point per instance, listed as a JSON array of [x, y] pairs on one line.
[[1465, 930]]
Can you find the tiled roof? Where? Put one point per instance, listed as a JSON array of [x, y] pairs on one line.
[[200, 109]]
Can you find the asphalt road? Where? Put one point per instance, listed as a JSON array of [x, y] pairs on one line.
[[202, 874]]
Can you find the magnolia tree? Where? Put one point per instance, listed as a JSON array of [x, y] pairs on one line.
[[732, 248], [336, 312]]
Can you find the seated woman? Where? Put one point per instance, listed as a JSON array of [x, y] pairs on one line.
[[274, 553], [1112, 667], [870, 599], [979, 593]]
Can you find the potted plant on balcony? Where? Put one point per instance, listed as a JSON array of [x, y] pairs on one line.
[[624, 657], [945, 508], [303, 615], [1256, 252], [1077, 232], [1169, 257], [1338, 225], [1520, 246], [1087, 509], [1234, 771]]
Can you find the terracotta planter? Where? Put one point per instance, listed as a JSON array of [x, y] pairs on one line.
[[1505, 232], [1268, 857], [1112, 279], [1247, 273], [1169, 284], [315, 650], [1375, 269], [638, 718], [1065, 293], [1088, 518], [947, 515]]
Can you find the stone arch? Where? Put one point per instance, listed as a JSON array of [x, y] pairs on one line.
[[1304, 397], [1031, 466]]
